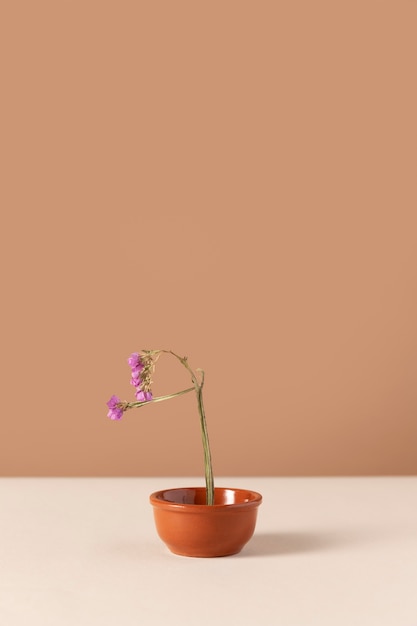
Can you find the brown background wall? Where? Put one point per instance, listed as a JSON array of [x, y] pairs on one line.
[[231, 180]]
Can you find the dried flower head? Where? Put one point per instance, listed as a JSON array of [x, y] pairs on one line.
[[142, 365]]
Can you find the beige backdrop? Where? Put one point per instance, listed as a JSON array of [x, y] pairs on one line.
[[232, 180]]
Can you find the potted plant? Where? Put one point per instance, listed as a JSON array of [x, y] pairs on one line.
[[193, 521]]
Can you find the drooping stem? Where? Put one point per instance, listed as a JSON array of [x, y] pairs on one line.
[[198, 386]]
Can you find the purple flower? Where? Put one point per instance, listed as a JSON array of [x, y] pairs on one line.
[[135, 361], [143, 396], [115, 412], [113, 402], [136, 365], [136, 371]]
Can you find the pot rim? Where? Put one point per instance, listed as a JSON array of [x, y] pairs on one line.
[[158, 500]]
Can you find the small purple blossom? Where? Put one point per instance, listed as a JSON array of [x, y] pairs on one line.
[[115, 412], [135, 361], [143, 396], [137, 366], [136, 371]]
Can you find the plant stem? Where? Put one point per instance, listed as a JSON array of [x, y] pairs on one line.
[[133, 405], [206, 446], [198, 386]]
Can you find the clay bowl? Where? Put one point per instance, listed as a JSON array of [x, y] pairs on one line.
[[190, 527]]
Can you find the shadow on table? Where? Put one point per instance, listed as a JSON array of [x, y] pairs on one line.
[[262, 544], [272, 544]]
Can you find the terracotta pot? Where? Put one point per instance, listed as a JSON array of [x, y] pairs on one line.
[[190, 527]]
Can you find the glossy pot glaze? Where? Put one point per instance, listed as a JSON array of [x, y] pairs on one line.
[[190, 527]]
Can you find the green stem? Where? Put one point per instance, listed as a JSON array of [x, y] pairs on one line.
[[132, 405], [206, 446], [198, 386]]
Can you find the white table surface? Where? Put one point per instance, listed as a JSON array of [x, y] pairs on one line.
[[326, 552]]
